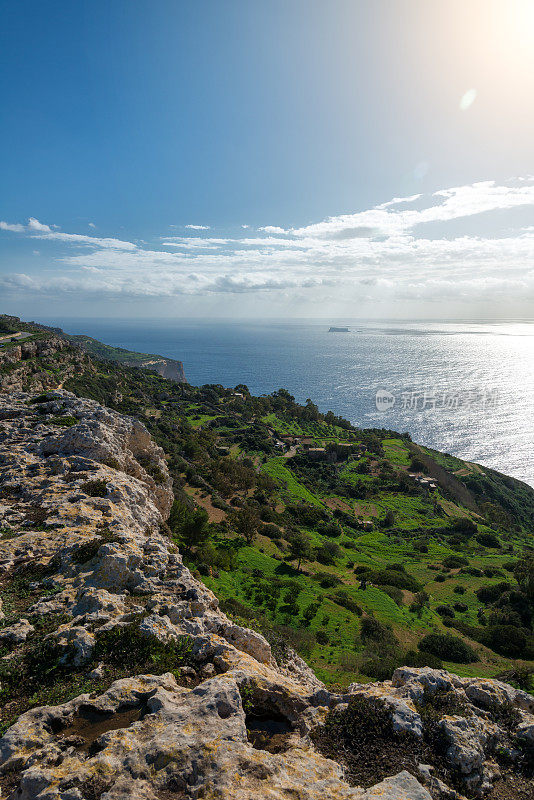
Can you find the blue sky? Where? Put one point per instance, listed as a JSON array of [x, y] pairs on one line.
[[282, 131]]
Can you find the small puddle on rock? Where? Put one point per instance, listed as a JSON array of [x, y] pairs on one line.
[[89, 724], [268, 732]]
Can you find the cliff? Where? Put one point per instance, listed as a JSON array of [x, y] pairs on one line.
[[40, 362], [121, 677], [57, 340], [166, 367]]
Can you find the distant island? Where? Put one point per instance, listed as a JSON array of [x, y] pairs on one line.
[[333, 329]]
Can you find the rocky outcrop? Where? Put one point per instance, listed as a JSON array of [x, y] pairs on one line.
[[166, 367], [38, 364], [81, 512]]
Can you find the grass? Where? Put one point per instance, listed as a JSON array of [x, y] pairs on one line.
[[276, 468]]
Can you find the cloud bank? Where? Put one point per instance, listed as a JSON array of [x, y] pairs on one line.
[[408, 248]]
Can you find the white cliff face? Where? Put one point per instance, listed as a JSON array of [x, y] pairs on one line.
[[153, 736]]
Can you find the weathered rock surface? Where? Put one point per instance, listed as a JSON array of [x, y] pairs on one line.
[[90, 490], [25, 363]]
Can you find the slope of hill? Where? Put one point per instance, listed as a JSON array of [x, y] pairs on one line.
[[308, 528], [122, 677], [166, 367], [14, 331]]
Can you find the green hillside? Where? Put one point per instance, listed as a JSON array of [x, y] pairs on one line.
[[359, 547], [341, 553]]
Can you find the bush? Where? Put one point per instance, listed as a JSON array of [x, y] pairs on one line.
[[505, 640], [373, 630], [394, 592], [63, 422], [271, 531], [380, 668], [488, 540], [459, 589], [474, 571], [463, 525], [345, 600], [327, 553], [128, 646], [41, 398], [445, 611], [322, 637], [453, 562], [461, 607], [415, 658], [440, 578], [95, 488], [326, 580], [394, 577], [489, 594], [448, 648]]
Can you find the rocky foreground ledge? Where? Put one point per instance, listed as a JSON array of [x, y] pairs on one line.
[[84, 495]]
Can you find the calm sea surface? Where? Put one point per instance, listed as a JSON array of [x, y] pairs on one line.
[[464, 388]]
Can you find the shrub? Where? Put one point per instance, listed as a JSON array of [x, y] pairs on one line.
[[271, 531], [445, 611], [345, 600], [459, 589], [327, 553], [463, 525], [394, 577], [415, 658], [493, 572], [128, 646], [440, 578], [461, 607], [41, 398], [322, 637], [453, 562], [362, 736], [87, 550], [474, 571], [373, 630], [331, 529], [506, 640], [489, 594], [380, 668], [63, 422], [448, 648], [394, 592], [326, 580], [419, 602], [488, 540], [95, 488]]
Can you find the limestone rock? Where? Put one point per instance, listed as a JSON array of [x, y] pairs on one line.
[[86, 515]]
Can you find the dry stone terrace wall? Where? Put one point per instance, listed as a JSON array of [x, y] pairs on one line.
[[156, 737]]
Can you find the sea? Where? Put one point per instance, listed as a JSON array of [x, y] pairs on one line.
[[465, 388]]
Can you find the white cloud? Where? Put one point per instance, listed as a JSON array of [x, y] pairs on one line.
[[92, 225], [198, 227], [15, 227], [35, 225], [272, 229], [385, 252]]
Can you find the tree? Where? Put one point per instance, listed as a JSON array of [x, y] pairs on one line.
[[300, 548], [310, 612], [246, 522], [524, 575], [189, 526], [419, 602], [389, 518]]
